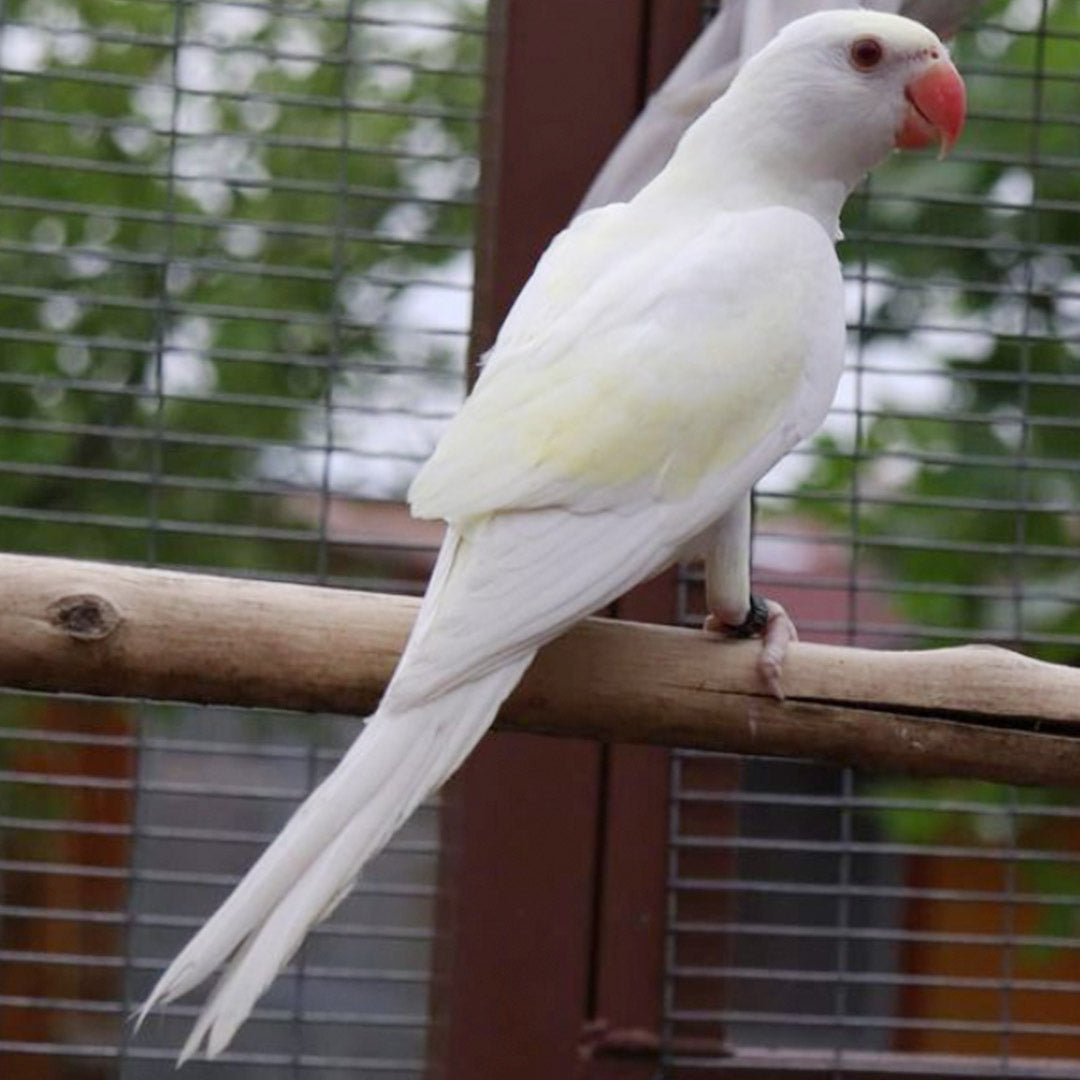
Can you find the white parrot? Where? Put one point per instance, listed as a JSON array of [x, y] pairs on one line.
[[740, 29], [664, 354]]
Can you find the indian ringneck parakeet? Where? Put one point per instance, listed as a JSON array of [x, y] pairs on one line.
[[665, 353]]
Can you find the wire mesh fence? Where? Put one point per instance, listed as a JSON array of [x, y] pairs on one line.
[[238, 248], [235, 279], [827, 922]]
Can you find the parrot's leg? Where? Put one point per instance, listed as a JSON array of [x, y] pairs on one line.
[[733, 610], [768, 620]]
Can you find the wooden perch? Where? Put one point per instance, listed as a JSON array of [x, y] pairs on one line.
[[974, 711]]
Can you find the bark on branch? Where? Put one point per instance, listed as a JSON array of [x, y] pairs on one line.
[[973, 711]]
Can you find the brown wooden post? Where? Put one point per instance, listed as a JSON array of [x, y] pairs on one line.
[[554, 852], [626, 1008], [520, 832], [620, 1040]]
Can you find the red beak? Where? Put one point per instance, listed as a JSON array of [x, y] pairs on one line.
[[936, 106]]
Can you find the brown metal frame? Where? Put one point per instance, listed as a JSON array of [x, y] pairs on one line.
[[550, 960]]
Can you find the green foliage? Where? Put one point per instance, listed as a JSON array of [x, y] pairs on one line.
[[224, 257], [198, 244], [968, 501]]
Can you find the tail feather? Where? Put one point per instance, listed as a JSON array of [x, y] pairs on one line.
[[319, 819], [324, 884], [400, 757]]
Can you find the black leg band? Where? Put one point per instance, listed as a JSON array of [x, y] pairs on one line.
[[757, 618]]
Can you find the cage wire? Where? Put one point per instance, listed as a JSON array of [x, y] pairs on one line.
[[234, 287], [826, 922], [235, 283]]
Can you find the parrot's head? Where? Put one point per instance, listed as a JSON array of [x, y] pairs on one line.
[[838, 90]]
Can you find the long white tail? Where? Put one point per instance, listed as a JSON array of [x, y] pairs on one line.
[[401, 756]]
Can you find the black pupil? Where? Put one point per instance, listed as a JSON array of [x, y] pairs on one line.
[[867, 53]]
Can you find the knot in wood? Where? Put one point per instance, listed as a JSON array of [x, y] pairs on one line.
[[84, 616]]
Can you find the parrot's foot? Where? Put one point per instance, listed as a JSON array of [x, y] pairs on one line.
[[767, 620]]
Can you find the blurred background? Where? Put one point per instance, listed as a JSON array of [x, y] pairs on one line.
[[248, 254]]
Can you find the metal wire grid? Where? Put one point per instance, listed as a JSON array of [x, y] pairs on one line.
[[81, 419], [234, 285], [243, 234], [355, 999], [825, 922]]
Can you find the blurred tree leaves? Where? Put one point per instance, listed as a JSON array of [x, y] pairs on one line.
[[198, 243], [188, 279], [968, 488], [965, 462]]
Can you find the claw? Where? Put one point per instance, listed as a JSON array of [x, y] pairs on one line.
[[779, 633], [768, 620]]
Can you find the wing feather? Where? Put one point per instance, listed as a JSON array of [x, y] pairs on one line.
[[627, 428], [522, 577], [644, 390]]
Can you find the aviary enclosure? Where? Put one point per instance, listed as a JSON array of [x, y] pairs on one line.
[[249, 253]]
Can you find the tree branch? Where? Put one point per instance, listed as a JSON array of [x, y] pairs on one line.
[[973, 711]]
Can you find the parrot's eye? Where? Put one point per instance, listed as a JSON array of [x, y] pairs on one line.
[[866, 53]]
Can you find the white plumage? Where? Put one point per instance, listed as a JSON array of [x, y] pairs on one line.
[[665, 353]]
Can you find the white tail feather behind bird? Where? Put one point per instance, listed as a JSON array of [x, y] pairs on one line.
[[399, 758], [408, 748]]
